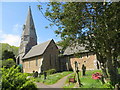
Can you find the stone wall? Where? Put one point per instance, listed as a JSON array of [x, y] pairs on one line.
[[51, 57], [89, 61], [29, 65]]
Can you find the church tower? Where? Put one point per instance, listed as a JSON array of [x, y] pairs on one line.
[[28, 38]]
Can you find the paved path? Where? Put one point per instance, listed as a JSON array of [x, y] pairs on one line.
[[59, 84]]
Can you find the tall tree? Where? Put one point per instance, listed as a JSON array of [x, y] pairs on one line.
[[94, 25], [12, 50], [5, 46], [8, 54]]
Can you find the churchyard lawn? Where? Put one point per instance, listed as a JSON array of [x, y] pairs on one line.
[[88, 82], [53, 78]]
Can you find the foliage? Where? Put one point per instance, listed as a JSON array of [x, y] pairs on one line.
[[0, 63], [12, 79], [0, 74], [94, 25], [51, 79], [8, 54], [29, 74], [50, 71], [119, 70], [8, 63], [5, 46]]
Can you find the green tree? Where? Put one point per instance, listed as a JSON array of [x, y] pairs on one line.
[[8, 54], [5, 46], [94, 25]]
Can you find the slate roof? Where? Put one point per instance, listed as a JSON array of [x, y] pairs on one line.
[[37, 50], [74, 49]]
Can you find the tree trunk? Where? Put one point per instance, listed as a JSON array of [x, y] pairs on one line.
[[104, 71], [111, 70], [102, 62], [115, 64]]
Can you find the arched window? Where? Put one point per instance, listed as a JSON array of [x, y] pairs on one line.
[[36, 61]]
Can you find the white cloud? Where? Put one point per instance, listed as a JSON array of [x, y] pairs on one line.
[[9, 38], [12, 38]]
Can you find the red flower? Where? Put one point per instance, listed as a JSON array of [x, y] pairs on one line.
[[97, 75]]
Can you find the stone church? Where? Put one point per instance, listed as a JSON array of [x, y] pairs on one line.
[[46, 55], [35, 57], [69, 57]]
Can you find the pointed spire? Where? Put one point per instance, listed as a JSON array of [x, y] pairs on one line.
[[29, 23], [29, 11], [29, 28]]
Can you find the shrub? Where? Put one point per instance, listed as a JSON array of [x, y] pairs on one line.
[[8, 63], [29, 74], [12, 79], [50, 71]]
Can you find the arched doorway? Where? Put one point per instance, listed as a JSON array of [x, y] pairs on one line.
[[18, 60]]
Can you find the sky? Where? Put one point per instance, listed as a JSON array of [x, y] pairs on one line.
[[13, 15]]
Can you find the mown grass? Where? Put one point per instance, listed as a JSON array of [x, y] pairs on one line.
[[51, 79], [87, 81]]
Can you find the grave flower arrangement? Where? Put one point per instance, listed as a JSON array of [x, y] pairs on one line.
[[97, 75]]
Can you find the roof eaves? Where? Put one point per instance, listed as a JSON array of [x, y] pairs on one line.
[[31, 57], [38, 54]]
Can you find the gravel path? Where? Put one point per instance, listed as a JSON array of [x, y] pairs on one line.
[[59, 84]]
